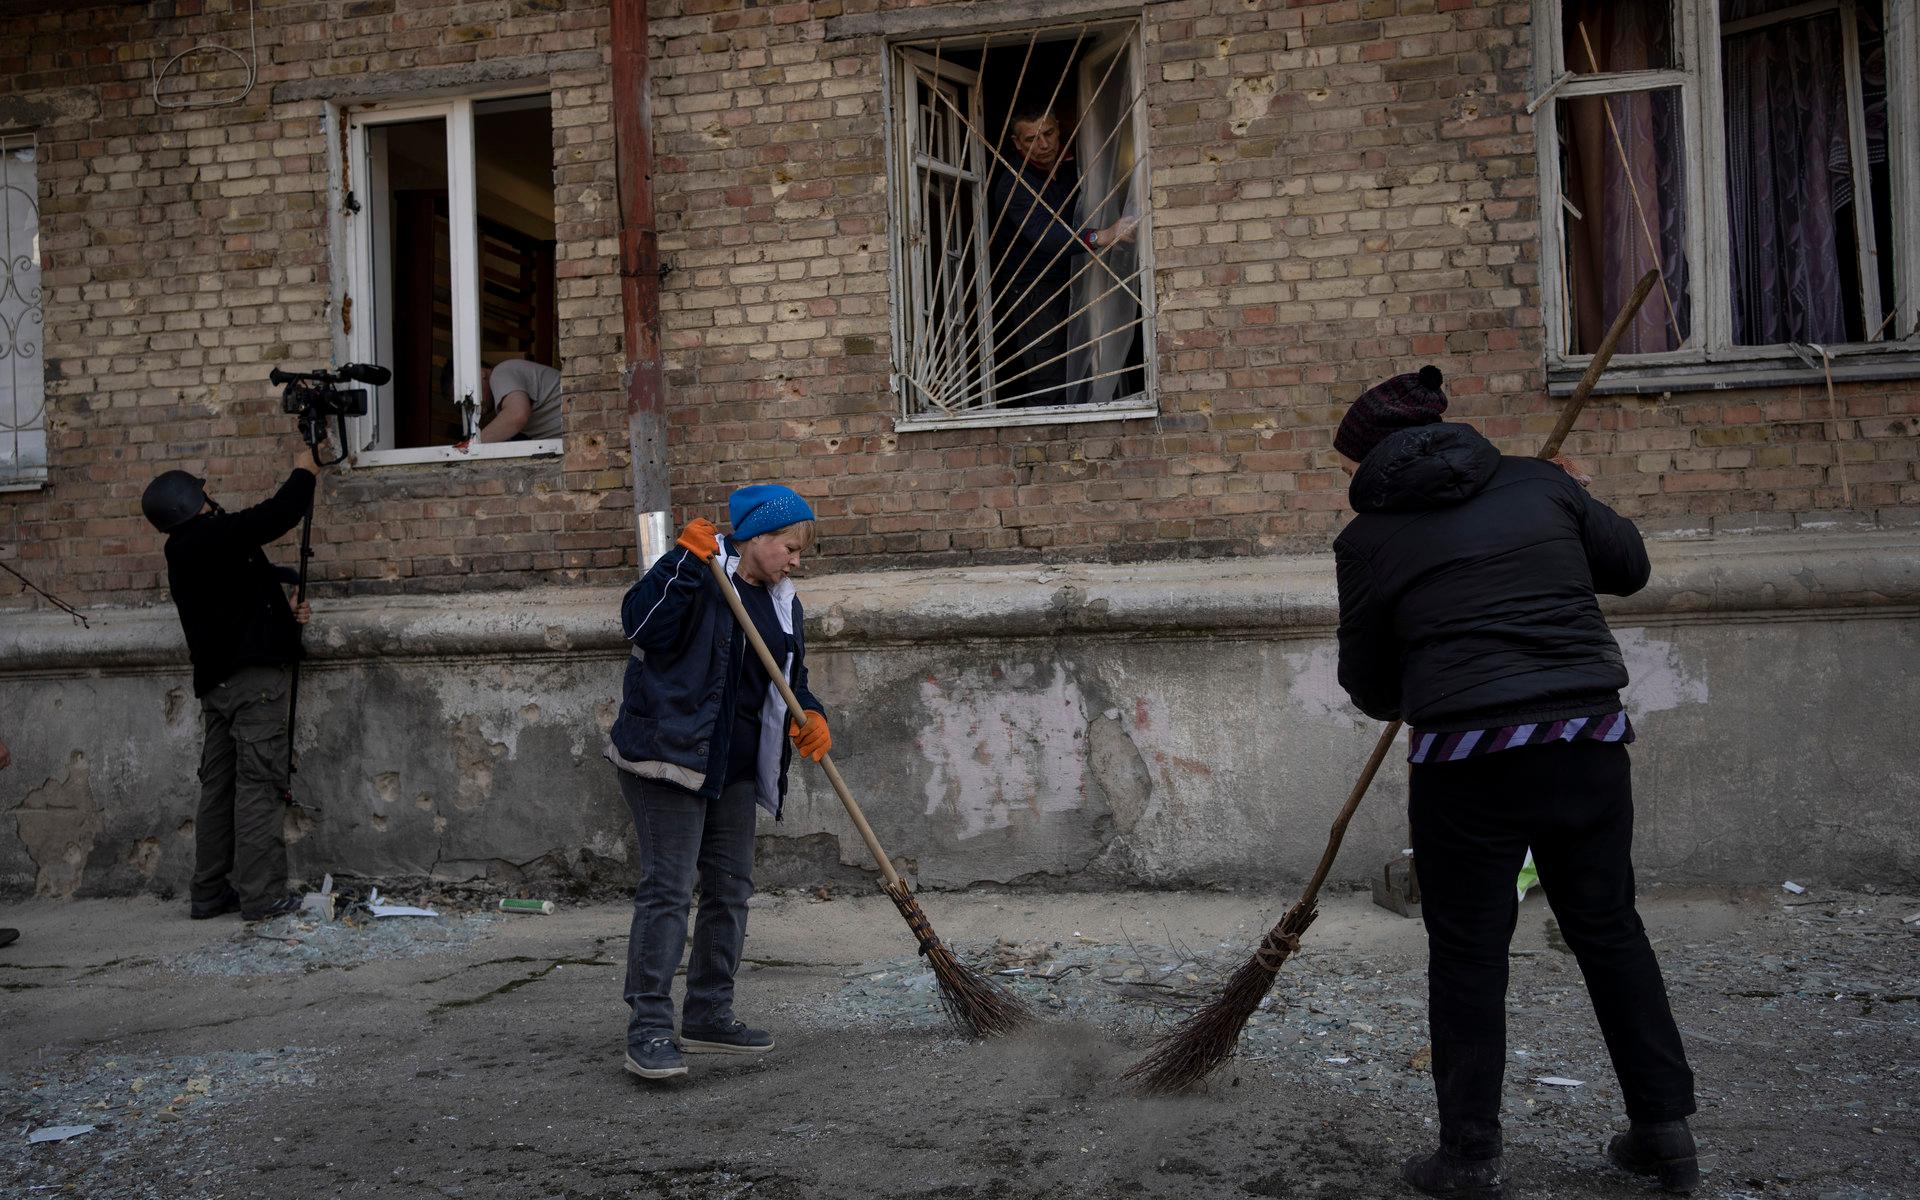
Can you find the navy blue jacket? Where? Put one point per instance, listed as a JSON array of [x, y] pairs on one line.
[[1025, 224], [678, 696], [1467, 586]]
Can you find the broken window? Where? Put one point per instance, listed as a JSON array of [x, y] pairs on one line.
[[1746, 151], [451, 213], [1022, 283], [23, 381]]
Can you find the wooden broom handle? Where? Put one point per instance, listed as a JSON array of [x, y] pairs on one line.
[[1568, 416], [1571, 412], [779, 678]]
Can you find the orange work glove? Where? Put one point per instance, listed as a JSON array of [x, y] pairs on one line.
[[814, 741], [699, 538]]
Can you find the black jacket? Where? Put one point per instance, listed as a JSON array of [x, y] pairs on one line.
[[232, 603], [677, 701], [1467, 585]]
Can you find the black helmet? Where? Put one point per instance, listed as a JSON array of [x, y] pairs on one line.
[[173, 499]]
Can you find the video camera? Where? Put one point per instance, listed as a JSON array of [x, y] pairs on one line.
[[317, 395]]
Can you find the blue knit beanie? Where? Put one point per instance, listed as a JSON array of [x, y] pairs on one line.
[[763, 508]]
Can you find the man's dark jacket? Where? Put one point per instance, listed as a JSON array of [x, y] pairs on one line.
[[1467, 584], [233, 605], [678, 695], [1039, 250]]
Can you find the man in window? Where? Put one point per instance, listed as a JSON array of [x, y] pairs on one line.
[[1039, 243], [526, 402]]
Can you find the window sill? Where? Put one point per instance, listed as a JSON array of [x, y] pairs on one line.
[[24, 482], [1063, 414], [447, 454], [1850, 365]]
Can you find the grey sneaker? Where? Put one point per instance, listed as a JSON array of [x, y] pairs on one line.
[[655, 1058], [732, 1038]]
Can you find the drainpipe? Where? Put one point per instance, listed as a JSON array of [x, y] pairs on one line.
[[646, 380]]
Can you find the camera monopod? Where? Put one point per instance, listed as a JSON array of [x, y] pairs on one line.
[[315, 395]]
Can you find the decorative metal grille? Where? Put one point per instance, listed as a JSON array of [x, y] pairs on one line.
[[23, 437], [1000, 302]]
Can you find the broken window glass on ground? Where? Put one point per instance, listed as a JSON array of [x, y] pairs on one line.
[[1020, 198]]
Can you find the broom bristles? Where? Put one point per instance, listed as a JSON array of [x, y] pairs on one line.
[[976, 1006], [1182, 1059]]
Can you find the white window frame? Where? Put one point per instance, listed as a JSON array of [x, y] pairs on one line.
[[1710, 359], [364, 275], [898, 84], [24, 331]]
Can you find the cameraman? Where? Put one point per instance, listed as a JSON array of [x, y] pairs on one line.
[[241, 635]]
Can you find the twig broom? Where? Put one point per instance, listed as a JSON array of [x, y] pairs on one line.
[[1183, 1058], [975, 1004]]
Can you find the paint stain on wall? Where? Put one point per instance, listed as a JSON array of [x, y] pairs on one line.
[[1313, 686], [1003, 749], [1657, 679]]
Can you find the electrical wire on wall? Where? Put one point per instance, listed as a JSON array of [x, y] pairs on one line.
[[250, 62]]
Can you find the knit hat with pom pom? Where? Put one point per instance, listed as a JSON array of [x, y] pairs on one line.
[[1400, 403]]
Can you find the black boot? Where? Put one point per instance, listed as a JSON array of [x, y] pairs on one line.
[[1444, 1173], [1662, 1149]]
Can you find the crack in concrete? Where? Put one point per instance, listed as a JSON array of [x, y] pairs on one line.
[[513, 985]]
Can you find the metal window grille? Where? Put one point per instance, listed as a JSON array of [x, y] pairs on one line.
[[23, 382], [1000, 305]]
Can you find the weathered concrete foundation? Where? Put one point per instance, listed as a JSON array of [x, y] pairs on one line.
[[1071, 726]]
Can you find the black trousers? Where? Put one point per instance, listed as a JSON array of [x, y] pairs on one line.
[[1472, 824]]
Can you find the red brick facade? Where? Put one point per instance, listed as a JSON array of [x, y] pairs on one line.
[[1340, 191]]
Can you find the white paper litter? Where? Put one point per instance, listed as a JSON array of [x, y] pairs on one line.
[[1559, 1081], [58, 1133], [1793, 887], [394, 910], [1339, 1062]]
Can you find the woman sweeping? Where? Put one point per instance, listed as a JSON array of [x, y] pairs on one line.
[[1467, 608], [700, 742]]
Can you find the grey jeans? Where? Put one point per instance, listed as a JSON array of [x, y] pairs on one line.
[[243, 785], [682, 836]]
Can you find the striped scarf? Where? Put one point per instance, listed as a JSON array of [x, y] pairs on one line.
[[1452, 747]]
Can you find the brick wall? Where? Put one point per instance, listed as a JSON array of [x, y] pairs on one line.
[[1340, 191], [185, 254]]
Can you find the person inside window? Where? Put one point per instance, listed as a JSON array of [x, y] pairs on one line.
[[525, 398], [1039, 242]]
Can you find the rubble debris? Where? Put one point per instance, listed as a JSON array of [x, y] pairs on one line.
[[395, 910], [58, 1133], [299, 942]]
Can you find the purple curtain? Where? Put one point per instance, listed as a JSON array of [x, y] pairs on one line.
[[1790, 188], [1624, 158]]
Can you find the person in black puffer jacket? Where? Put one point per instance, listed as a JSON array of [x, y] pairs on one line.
[[1467, 609]]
